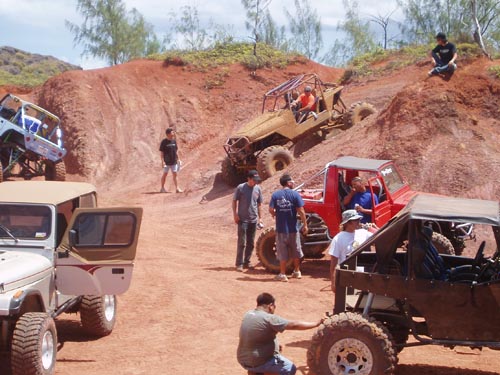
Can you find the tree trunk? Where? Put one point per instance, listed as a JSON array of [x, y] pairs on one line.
[[478, 38]]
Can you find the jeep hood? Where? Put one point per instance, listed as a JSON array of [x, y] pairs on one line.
[[19, 268], [265, 124]]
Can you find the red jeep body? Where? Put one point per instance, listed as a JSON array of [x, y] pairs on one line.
[[382, 178]]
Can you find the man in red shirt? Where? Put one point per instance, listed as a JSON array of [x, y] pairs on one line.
[[307, 103]]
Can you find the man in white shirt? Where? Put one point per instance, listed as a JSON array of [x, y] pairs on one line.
[[346, 241]]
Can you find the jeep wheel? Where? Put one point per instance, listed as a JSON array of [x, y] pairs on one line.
[[55, 171], [273, 159], [356, 113], [98, 314], [266, 252], [442, 244], [351, 344], [34, 345], [230, 174]]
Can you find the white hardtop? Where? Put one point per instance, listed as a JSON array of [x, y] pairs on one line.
[[352, 162], [43, 192]]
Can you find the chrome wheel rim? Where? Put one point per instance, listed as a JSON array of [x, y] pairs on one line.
[[350, 356], [109, 307], [47, 350]]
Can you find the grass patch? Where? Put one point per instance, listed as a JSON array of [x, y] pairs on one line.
[[231, 53], [495, 69]]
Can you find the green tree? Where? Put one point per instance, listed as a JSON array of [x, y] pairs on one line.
[[272, 34], [110, 33], [256, 15], [188, 25], [305, 27], [358, 38]]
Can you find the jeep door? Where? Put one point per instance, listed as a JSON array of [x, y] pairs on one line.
[[97, 252]]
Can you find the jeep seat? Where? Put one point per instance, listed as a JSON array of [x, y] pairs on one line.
[[432, 266]]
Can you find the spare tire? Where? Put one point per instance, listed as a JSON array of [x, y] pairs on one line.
[[356, 113], [272, 160], [442, 244], [266, 252]]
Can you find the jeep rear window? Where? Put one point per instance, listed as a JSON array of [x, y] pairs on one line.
[[392, 178], [25, 221]]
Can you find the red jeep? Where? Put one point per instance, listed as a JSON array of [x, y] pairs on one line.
[[323, 193]]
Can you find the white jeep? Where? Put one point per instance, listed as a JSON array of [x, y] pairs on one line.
[[59, 253]]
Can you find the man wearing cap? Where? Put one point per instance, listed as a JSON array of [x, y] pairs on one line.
[[307, 103], [247, 199], [443, 56], [284, 206], [348, 239], [360, 199]]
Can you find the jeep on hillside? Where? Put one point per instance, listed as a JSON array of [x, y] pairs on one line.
[[30, 141], [405, 287], [264, 143], [323, 194], [59, 254]]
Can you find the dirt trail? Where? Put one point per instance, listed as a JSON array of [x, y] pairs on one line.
[[182, 313]]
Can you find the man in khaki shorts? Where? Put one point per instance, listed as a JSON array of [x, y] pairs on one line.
[[284, 206]]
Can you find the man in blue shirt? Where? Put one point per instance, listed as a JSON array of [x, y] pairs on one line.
[[360, 199], [284, 206]]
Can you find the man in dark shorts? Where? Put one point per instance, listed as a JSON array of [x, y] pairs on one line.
[[284, 206], [443, 56], [247, 199], [258, 348], [169, 159]]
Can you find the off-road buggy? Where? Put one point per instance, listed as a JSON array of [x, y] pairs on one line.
[[265, 143], [59, 253], [323, 193], [404, 287], [31, 142]]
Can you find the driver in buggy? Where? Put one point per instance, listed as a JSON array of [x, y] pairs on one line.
[[304, 104]]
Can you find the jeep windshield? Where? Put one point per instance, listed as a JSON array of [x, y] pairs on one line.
[[29, 222], [392, 178]]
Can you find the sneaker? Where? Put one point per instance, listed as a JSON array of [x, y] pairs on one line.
[[248, 266], [179, 190], [162, 190], [281, 277], [430, 73], [297, 275], [239, 268]]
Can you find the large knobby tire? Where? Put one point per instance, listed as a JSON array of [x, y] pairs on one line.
[[442, 244], [98, 314], [348, 343], [272, 160], [230, 174], [356, 113], [55, 171], [266, 252], [34, 345]]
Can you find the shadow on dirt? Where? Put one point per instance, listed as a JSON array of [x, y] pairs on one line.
[[71, 331], [219, 190]]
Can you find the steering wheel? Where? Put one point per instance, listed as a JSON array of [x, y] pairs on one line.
[[478, 259]]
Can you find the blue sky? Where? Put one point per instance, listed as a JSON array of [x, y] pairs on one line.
[[38, 26]]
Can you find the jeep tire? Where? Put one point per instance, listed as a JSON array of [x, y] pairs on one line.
[[266, 252], [356, 113], [272, 160], [230, 174], [442, 244], [98, 314], [348, 343], [55, 171], [34, 345]]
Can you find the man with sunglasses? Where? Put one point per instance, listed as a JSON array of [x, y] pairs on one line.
[[347, 240], [258, 348]]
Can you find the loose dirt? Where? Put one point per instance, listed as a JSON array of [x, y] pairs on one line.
[[182, 313]]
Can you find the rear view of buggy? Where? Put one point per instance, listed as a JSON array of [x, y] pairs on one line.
[[31, 143]]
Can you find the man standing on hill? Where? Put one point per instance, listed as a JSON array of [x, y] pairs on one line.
[[443, 56], [247, 199], [284, 206], [169, 159]]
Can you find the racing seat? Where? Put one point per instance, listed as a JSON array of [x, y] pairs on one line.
[[432, 265]]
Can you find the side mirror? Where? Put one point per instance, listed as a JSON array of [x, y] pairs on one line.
[[72, 237]]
